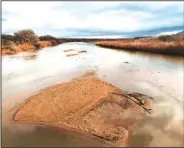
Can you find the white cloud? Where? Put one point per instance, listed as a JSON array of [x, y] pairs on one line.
[[167, 33], [46, 17]]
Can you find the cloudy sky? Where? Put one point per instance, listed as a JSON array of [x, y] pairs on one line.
[[93, 19]]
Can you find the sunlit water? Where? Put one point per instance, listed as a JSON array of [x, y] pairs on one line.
[[159, 76]]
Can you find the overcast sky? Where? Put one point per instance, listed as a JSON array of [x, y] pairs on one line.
[[93, 19]]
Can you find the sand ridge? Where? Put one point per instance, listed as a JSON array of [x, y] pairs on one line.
[[88, 105], [73, 54]]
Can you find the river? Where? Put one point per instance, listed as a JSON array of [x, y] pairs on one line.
[[159, 76]]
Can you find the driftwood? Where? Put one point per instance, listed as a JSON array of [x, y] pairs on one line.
[[135, 95], [82, 51]]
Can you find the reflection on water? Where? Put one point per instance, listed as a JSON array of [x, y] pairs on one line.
[[25, 74], [164, 127], [32, 135]]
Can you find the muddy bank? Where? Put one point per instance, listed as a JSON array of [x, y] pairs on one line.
[[90, 106]]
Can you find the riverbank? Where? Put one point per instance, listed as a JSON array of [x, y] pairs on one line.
[[26, 47], [153, 46], [87, 105]]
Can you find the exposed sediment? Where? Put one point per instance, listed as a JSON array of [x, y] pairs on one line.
[[70, 55], [82, 51], [68, 50], [87, 105]]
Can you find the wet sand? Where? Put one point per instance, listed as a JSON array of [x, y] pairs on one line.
[[68, 50], [88, 105], [74, 53], [70, 55]]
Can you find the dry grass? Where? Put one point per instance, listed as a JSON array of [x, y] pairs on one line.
[[25, 47], [147, 45], [7, 52], [17, 49], [3, 52]]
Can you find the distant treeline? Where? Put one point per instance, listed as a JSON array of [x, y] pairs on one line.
[[63, 40], [5, 38], [28, 36]]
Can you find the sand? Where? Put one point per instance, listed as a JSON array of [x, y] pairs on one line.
[[88, 105], [69, 55], [82, 51], [73, 54], [68, 50]]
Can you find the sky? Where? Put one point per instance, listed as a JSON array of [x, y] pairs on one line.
[[93, 18]]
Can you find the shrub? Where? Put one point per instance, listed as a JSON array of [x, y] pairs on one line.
[[53, 42], [179, 37], [26, 36], [3, 42], [12, 51], [8, 44], [166, 38], [46, 38], [37, 45], [7, 37], [50, 38]]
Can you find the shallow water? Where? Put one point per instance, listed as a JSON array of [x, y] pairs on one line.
[[159, 76]]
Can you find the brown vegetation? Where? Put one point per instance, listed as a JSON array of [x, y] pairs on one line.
[[167, 44], [88, 105], [25, 47], [42, 44], [25, 36], [54, 41], [147, 45], [8, 44], [24, 40], [174, 37], [18, 48]]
